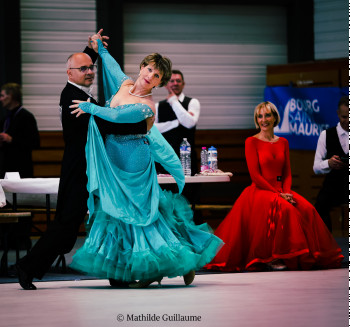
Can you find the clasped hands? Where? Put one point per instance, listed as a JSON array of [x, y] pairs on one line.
[[336, 163], [288, 197], [92, 41]]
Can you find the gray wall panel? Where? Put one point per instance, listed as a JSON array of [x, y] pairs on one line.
[[331, 26], [222, 51], [51, 31]]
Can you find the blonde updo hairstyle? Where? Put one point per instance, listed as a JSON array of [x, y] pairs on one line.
[[269, 106], [163, 64]]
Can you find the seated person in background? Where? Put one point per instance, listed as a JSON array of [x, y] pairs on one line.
[[19, 135], [270, 225], [331, 158]]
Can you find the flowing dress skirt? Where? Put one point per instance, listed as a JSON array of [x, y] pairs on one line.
[[262, 227], [118, 246]]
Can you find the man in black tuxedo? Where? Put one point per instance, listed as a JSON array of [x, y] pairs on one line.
[[72, 193]]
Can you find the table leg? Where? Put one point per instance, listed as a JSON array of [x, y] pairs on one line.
[[48, 209], [4, 258]]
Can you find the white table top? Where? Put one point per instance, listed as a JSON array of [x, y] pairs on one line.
[[30, 185], [50, 186], [195, 179]]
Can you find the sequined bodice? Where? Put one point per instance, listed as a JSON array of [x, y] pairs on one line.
[[122, 138]]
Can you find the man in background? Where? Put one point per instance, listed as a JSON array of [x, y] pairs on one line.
[[177, 116], [19, 136], [332, 159]]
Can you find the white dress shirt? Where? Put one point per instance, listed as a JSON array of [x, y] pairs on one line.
[[87, 90], [185, 118], [321, 165]]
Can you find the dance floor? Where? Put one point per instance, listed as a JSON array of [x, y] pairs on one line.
[[279, 298]]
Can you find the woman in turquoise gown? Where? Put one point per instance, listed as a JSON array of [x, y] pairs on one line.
[[136, 231]]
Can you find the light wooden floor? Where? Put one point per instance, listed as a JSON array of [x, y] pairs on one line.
[[316, 298], [302, 298]]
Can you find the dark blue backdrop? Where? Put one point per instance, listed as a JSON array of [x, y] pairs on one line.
[[305, 112]]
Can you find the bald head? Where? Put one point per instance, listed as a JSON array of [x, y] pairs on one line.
[[75, 75]]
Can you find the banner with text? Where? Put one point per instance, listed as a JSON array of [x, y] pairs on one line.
[[305, 112]]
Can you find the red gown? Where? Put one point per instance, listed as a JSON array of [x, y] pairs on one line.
[[262, 226]]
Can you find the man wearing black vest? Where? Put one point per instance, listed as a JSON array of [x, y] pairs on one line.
[[176, 119], [177, 116], [332, 158], [72, 193]]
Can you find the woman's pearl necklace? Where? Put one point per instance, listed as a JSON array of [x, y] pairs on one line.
[[140, 96]]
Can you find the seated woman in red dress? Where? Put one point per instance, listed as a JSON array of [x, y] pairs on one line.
[[270, 224]]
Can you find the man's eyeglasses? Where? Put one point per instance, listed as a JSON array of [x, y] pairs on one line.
[[84, 69]]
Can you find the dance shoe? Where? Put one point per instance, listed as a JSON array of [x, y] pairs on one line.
[[144, 283], [277, 265], [189, 277], [119, 283], [24, 279]]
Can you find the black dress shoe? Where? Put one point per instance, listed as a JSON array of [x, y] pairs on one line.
[[24, 279], [119, 283]]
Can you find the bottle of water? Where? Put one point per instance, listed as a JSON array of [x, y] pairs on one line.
[[185, 156], [204, 159], [213, 158]]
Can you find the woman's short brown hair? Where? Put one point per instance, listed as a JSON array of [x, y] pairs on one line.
[[163, 64], [270, 106]]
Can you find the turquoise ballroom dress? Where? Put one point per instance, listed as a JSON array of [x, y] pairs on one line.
[[136, 231]]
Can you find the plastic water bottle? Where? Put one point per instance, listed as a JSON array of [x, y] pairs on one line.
[[185, 156], [204, 159], [213, 158]]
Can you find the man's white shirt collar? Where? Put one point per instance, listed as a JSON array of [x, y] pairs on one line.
[[87, 90], [181, 97], [340, 130]]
